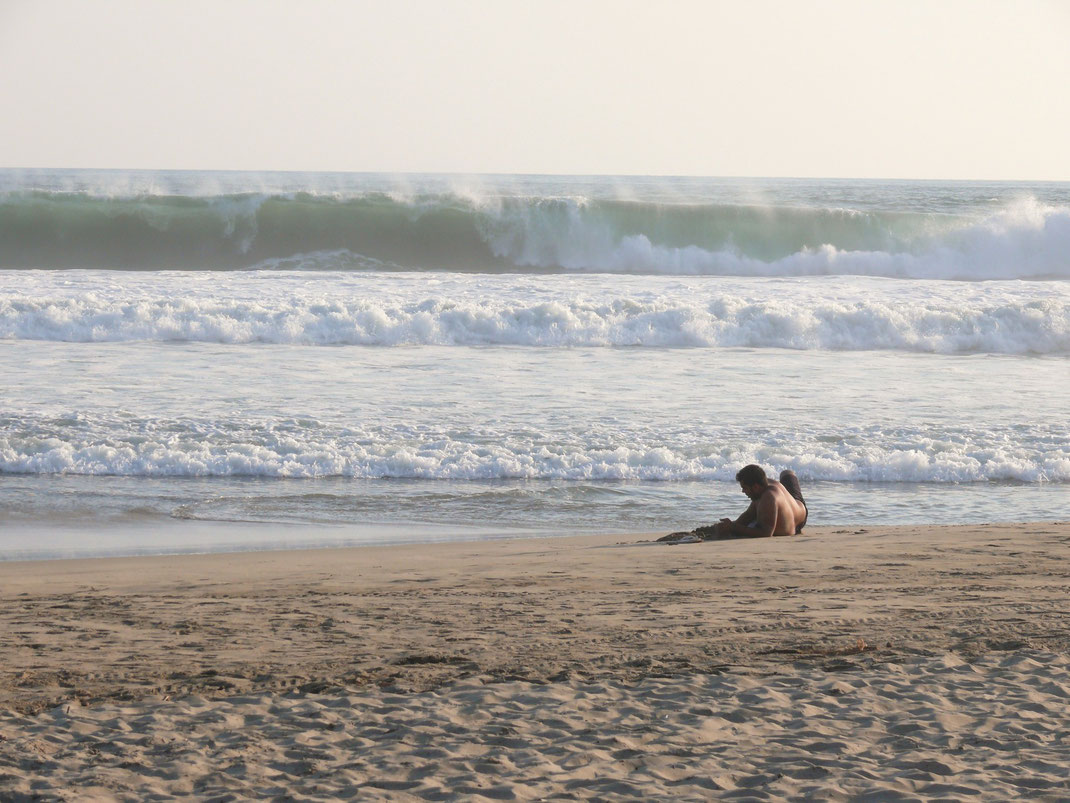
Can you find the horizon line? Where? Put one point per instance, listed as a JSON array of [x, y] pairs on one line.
[[472, 174]]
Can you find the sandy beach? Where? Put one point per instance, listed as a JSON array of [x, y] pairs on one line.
[[358, 356], [891, 663]]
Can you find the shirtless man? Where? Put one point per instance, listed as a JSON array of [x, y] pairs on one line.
[[776, 508]]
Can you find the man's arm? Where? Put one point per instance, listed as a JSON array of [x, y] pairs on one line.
[[748, 515], [765, 515]]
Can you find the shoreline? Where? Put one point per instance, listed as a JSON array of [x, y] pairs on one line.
[[63, 540], [46, 542], [570, 642]]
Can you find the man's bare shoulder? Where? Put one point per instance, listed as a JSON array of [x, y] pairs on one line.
[[777, 488]]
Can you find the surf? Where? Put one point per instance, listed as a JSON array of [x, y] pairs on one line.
[[501, 229], [453, 309]]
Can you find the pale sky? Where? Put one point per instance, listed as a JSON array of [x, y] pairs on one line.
[[962, 89]]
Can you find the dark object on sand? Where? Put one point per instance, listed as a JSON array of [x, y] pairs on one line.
[[691, 536], [682, 537]]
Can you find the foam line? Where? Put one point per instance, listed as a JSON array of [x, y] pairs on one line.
[[327, 310]]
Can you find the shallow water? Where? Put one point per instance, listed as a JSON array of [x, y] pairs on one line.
[[521, 439]]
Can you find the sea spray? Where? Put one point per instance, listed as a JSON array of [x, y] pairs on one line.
[[502, 229]]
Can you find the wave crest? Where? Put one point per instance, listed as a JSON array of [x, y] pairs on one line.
[[45, 229]]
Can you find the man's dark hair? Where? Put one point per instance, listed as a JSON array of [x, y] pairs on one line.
[[749, 475]]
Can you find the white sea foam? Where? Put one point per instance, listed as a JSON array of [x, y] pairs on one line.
[[336, 309], [96, 445]]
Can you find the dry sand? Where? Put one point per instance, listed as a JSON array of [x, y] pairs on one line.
[[905, 663]]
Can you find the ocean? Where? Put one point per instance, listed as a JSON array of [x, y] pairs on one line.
[[199, 361]]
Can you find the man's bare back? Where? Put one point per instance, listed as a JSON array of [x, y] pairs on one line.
[[773, 510], [788, 511]]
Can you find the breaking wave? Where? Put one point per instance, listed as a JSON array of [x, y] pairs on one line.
[[445, 231], [308, 448], [328, 309]]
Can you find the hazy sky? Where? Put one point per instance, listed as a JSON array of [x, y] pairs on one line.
[[901, 89]]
